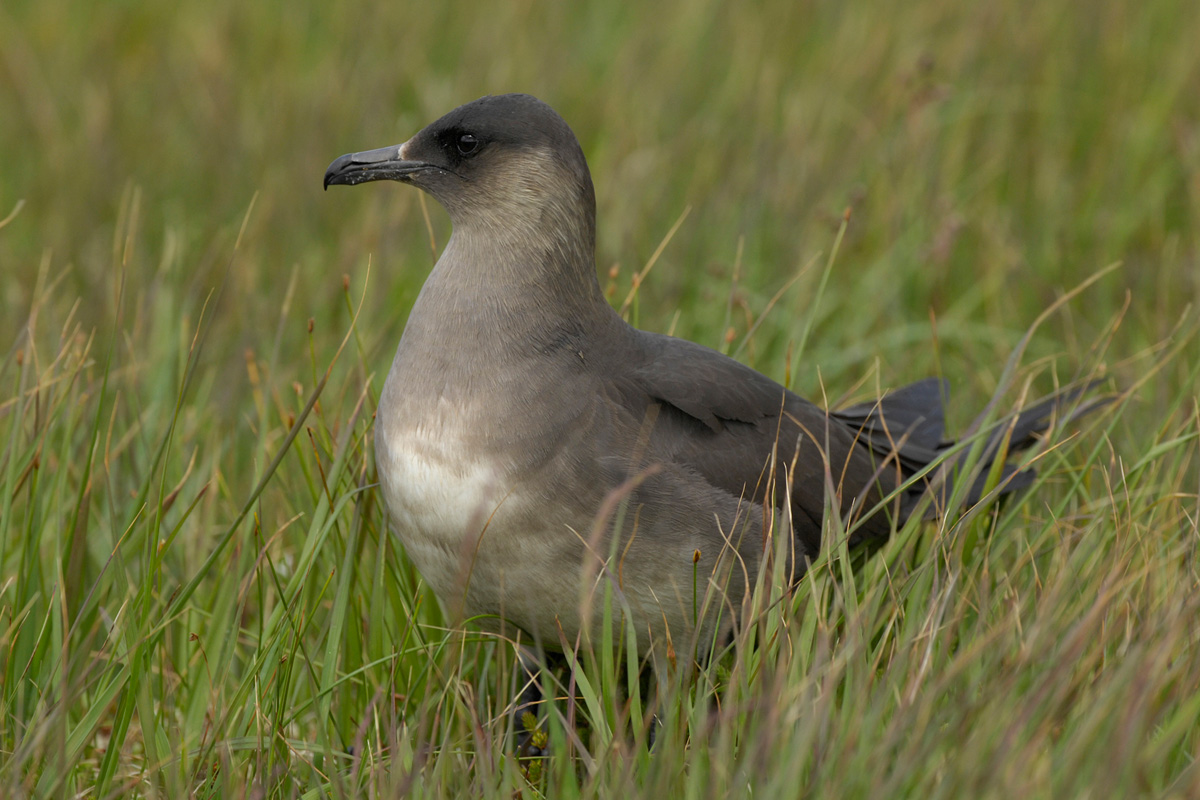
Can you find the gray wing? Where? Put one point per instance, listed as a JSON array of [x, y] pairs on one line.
[[729, 424], [743, 433]]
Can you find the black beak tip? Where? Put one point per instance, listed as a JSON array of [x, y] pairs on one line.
[[337, 170]]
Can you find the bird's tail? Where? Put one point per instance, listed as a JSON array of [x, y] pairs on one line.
[[909, 423]]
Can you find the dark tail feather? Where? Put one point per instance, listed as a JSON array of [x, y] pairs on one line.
[[910, 422], [1021, 433], [910, 418]]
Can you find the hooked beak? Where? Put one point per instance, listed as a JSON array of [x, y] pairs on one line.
[[386, 163]]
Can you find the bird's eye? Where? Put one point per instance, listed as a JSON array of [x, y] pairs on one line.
[[467, 144]]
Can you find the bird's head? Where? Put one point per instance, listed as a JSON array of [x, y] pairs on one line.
[[503, 163]]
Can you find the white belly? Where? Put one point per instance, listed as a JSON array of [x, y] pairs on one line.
[[441, 497], [487, 547]]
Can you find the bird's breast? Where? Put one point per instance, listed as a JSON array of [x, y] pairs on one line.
[[440, 490]]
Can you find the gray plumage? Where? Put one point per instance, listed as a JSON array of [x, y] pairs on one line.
[[530, 442]]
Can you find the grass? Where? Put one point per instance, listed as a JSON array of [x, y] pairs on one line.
[[197, 592]]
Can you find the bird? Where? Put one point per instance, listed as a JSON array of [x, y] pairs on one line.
[[535, 450]]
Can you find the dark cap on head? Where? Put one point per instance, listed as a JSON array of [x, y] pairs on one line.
[[495, 153]]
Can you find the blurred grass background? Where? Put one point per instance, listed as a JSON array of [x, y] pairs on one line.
[[993, 156]]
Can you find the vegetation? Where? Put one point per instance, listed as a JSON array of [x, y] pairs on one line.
[[198, 596]]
